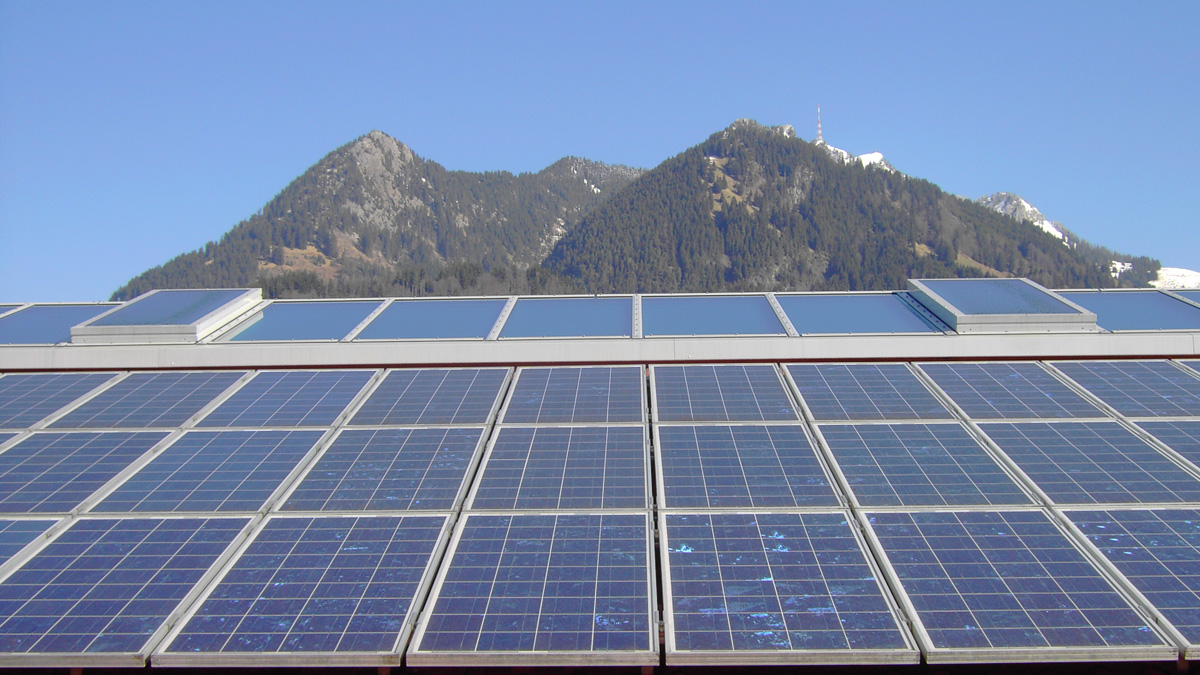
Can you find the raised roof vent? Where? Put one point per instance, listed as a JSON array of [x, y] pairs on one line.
[[1001, 306], [167, 316]]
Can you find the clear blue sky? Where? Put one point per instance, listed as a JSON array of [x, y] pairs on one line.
[[131, 132]]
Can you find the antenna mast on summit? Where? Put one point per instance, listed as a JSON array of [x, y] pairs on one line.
[[820, 138]]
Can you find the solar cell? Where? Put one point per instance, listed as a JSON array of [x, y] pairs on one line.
[[17, 534], [1138, 388], [1194, 365], [919, 465], [1000, 390], [54, 472], [741, 466], [598, 394], [26, 398], [45, 324], [4, 437], [541, 585], [1182, 436], [213, 471], [434, 319], [434, 396], [731, 393], [865, 391], [1093, 463], [292, 398], [389, 469], [991, 582], [564, 468], [105, 586], [749, 586], [316, 585], [166, 399]]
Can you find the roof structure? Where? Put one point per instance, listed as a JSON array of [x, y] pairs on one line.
[[968, 471]]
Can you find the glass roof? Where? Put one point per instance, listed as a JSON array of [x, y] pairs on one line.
[[434, 319], [997, 296], [1136, 310], [883, 313], [170, 308], [45, 324], [570, 317], [1192, 294], [316, 320], [709, 315]]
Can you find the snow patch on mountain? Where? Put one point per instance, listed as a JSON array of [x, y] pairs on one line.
[[1170, 278], [1014, 206], [869, 159]]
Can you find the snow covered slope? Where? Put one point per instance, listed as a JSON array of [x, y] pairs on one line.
[[1015, 207], [1176, 277]]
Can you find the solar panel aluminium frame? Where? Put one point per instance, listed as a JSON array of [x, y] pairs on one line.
[[1003, 463], [141, 657], [793, 387], [788, 392], [579, 659], [836, 484], [478, 471], [1187, 648], [373, 385], [212, 322], [938, 655], [330, 438], [514, 381], [911, 655], [161, 657]]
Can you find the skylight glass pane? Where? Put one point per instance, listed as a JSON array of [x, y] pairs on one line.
[[709, 315], [1193, 295], [815, 314], [170, 308], [570, 317], [997, 296], [1136, 310], [305, 321], [434, 320], [45, 324]]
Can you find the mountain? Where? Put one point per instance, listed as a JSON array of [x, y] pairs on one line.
[[1015, 207], [750, 208]]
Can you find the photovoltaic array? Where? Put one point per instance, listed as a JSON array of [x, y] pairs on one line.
[[142, 400], [726, 393], [27, 398], [1139, 388], [434, 396], [1008, 391], [864, 391], [594, 394]]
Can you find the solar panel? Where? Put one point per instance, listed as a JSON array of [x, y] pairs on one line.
[[434, 396], [564, 468], [919, 465], [1159, 552], [1093, 463], [149, 400], [389, 469], [1138, 388], [741, 466], [213, 471], [45, 324], [411, 319], [292, 398], [570, 317], [528, 588], [1194, 365], [732, 393], [774, 587], [105, 586], [865, 391], [316, 585], [1008, 391], [1006, 586], [853, 313], [54, 472], [1136, 310], [600, 394], [709, 315], [17, 534], [1181, 436], [305, 320], [26, 398]]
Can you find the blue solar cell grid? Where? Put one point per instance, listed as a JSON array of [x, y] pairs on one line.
[[1136, 310], [213, 471], [748, 466], [1093, 463], [318, 320], [1182, 436], [54, 472], [564, 468], [993, 581], [601, 394], [875, 313], [17, 534], [442, 396], [744, 584], [728, 393], [26, 399], [149, 400], [169, 308], [389, 469], [865, 391], [105, 586], [1159, 552], [434, 320], [1138, 388], [545, 584], [294, 398], [45, 324], [317, 585], [1008, 391], [919, 465], [570, 317]]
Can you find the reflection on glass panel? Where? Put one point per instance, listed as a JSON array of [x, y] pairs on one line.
[[853, 314], [709, 315], [997, 296], [570, 317], [170, 308], [45, 324], [434, 319], [305, 321], [1143, 310]]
